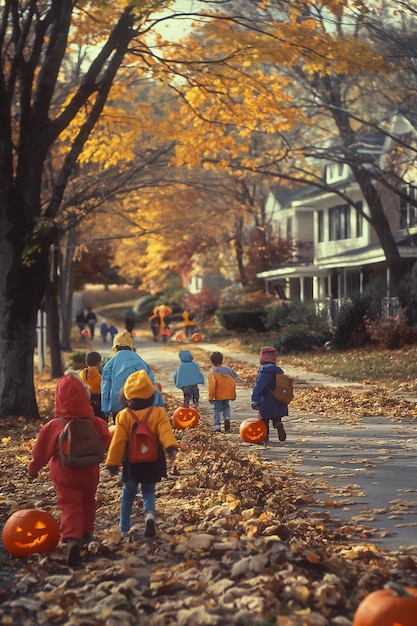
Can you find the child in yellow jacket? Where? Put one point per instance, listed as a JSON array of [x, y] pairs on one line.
[[137, 396], [91, 376], [221, 389]]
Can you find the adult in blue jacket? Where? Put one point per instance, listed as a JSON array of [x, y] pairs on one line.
[[262, 398], [116, 371]]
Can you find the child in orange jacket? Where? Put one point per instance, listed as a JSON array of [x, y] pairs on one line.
[[75, 486], [221, 389], [91, 376]]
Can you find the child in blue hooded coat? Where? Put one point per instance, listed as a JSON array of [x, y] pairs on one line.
[[262, 398], [187, 377]]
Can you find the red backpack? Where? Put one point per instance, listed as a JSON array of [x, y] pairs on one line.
[[143, 445]]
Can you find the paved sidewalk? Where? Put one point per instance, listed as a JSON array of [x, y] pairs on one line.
[[361, 470]]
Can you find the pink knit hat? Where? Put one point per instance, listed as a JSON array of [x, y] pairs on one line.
[[268, 355]]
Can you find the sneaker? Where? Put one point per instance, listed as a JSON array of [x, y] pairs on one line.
[[73, 555], [124, 535], [282, 435], [217, 429], [227, 426], [150, 528]]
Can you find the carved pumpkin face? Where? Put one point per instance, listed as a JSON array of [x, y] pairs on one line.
[[185, 417], [253, 430], [386, 607], [29, 532], [196, 337]]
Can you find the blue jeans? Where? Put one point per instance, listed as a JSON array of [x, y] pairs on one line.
[[130, 489], [221, 406], [191, 393]]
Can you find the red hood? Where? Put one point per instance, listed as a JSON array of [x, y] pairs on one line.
[[71, 398]]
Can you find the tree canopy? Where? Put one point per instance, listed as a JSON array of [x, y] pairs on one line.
[[106, 113]]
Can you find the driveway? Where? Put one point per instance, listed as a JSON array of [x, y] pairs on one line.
[[363, 471]]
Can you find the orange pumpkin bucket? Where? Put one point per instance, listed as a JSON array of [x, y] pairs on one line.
[[253, 430], [185, 417]]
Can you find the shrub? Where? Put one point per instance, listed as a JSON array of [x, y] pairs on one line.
[[202, 304], [77, 359], [292, 314], [301, 342], [231, 296], [237, 297], [242, 319], [350, 328], [390, 333]]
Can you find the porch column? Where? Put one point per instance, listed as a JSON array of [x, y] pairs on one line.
[[316, 288], [301, 289]]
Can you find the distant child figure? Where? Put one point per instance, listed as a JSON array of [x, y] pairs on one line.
[[91, 320], [189, 323], [105, 330], [75, 486], [80, 320], [221, 389], [138, 395], [154, 323], [130, 320], [187, 377], [164, 311], [262, 398], [91, 376]]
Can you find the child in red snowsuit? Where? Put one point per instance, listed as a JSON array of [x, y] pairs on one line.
[[75, 486]]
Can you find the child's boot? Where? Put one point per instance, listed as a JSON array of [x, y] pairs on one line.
[[150, 527], [227, 426], [73, 555], [282, 435]]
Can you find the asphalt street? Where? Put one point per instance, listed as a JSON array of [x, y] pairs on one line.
[[361, 470]]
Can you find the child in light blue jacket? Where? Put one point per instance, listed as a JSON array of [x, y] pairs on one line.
[[187, 377]]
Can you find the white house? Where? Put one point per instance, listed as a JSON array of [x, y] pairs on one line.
[[336, 251]]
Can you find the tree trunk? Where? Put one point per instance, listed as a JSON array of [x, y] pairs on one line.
[[363, 175], [53, 318], [67, 272], [22, 290], [379, 221], [239, 252]]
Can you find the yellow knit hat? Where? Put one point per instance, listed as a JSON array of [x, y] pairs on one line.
[[138, 385], [122, 339]]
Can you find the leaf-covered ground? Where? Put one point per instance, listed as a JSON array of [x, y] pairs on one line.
[[239, 540]]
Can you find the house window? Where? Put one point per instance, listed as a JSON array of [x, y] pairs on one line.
[[320, 226], [359, 219], [407, 210], [339, 222]]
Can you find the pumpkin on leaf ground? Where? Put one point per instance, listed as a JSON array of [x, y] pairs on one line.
[[30, 531], [392, 606]]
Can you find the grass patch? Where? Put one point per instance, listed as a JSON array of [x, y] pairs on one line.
[[388, 367]]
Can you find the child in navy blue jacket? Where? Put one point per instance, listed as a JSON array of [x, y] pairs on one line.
[[262, 398], [187, 377]]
